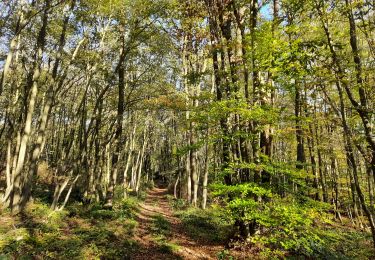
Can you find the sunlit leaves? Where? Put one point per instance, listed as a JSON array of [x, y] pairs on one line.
[[240, 190]]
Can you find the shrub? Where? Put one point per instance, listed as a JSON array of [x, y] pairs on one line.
[[127, 208], [284, 225]]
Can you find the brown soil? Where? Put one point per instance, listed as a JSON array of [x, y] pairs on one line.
[[155, 204]]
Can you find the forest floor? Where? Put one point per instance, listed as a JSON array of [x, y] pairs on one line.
[[148, 225], [162, 235], [151, 225]]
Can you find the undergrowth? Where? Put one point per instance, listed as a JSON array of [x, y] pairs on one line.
[[161, 229], [286, 232], [209, 225], [78, 232]]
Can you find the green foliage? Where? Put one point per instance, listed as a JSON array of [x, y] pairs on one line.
[[160, 225], [127, 208], [272, 167], [167, 247], [78, 232], [177, 204], [103, 214], [149, 184], [223, 109], [211, 225], [240, 190], [161, 229], [224, 255], [41, 215], [286, 225], [344, 244], [289, 226]]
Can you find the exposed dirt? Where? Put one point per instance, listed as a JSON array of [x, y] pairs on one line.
[[156, 204]]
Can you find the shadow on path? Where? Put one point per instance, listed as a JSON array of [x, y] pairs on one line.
[[156, 206]]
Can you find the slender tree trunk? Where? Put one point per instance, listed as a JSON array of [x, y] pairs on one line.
[[205, 176], [22, 181], [142, 152], [120, 115]]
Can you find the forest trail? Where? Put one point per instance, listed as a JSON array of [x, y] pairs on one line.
[[176, 243]]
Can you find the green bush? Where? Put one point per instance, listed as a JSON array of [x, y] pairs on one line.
[[179, 204], [104, 214], [284, 225], [127, 208]]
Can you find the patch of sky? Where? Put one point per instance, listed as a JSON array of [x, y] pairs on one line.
[[266, 11]]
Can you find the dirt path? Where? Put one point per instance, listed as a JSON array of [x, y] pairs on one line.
[[156, 206]]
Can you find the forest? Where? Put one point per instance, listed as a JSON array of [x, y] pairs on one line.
[[187, 129]]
